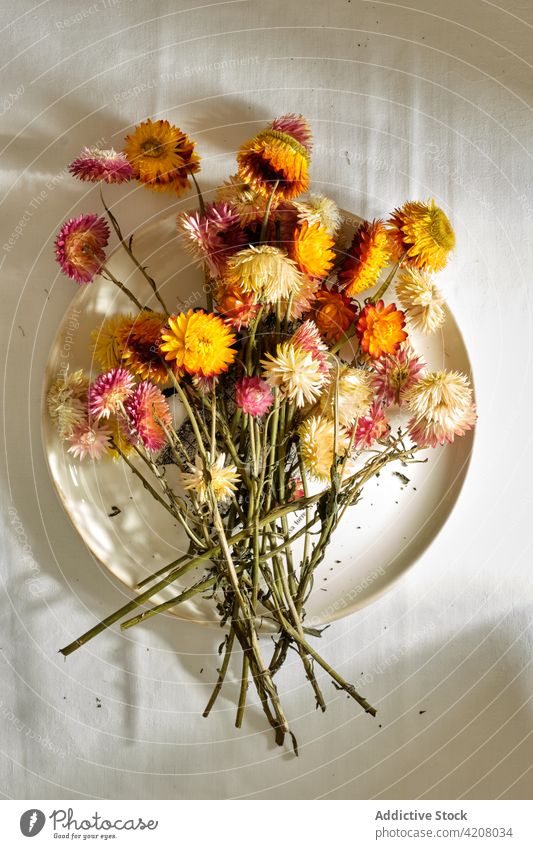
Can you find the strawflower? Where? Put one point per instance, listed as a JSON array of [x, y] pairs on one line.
[[162, 156], [204, 385], [139, 340], [318, 209], [79, 247], [312, 250], [371, 427], [354, 393], [424, 233], [442, 408], [421, 299], [237, 307], [380, 329], [89, 440], [266, 271], [146, 407], [94, 164], [297, 127], [67, 401], [333, 313], [395, 374], [224, 479], [367, 255], [308, 338], [254, 396], [199, 343], [107, 343], [249, 204], [277, 156], [213, 236], [317, 438], [108, 393], [295, 372], [302, 300]]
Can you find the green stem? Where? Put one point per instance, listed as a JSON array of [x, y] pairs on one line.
[[201, 202], [122, 287], [129, 251], [264, 226], [222, 674], [170, 508], [160, 572], [343, 684], [385, 285], [200, 587], [243, 690], [177, 572]]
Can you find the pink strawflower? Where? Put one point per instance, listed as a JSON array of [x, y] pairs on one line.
[[295, 126], [108, 393], [144, 406], [89, 440], [93, 165], [395, 374], [308, 338], [254, 396], [80, 247], [214, 236], [371, 427]]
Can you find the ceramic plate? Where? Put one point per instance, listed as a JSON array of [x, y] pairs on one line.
[[378, 539]]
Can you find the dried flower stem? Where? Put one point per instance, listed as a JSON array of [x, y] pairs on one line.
[[390, 277], [127, 247], [110, 276]]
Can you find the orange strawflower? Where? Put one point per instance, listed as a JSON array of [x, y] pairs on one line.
[[332, 313], [311, 249], [380, 329], [368, 254], [199, 343], [162, 156], [138, 340], [423, 231], [277, 155], [237, 307]]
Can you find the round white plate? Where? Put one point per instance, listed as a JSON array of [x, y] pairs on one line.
[[378, 539]]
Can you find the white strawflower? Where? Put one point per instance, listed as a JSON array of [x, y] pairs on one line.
[[223, 479], [67, 402], [355, 393], [318, 209], [295, 372], [266, 271], [421, 299], [317, 435]]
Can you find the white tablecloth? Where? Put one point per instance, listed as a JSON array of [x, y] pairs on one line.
[[406, 101]]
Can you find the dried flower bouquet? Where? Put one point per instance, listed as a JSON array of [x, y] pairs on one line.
[[288, 380]]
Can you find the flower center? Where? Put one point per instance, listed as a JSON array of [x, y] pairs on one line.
[[399, 376], [441, 231], [89, 438], [152, 148]]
